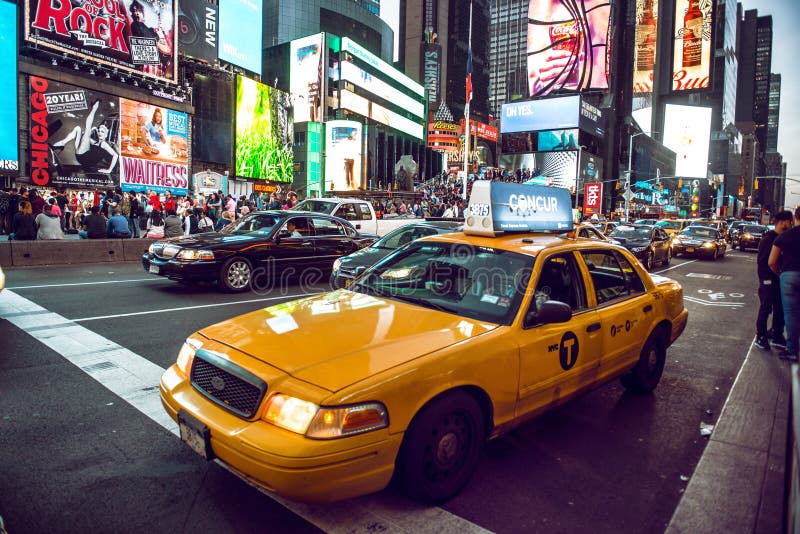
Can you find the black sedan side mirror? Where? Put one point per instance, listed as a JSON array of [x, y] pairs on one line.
[[550, 312]]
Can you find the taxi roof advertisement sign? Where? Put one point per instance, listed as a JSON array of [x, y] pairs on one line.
[[134, 35], [503, 207]]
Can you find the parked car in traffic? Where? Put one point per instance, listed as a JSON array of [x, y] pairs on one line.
[[703, 241], [606, 227], [261, 244], [673, 226], [732, 235], [347, 268], [590, 231], [649, 243], [750, 236]]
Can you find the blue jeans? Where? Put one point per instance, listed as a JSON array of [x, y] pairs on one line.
[[790, 293]]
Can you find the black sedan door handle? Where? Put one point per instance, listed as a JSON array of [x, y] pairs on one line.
[[648, 308], [306, 243], [593, 327]]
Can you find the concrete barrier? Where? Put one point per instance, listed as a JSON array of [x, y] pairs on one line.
[[5, 254], [34, 253], [132, 249]]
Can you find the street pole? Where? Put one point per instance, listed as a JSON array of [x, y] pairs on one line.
[[628, 181]]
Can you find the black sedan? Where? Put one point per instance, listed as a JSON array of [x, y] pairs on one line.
[[750, 235], [347, 268], [251, 251], [700, 241], [650, 244]]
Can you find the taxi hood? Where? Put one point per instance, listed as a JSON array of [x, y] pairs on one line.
[[339, 338]]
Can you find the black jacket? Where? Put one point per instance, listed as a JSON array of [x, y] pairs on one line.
[[764, 248], [23, 227]]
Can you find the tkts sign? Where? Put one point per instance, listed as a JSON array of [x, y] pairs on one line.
[[134, 35]]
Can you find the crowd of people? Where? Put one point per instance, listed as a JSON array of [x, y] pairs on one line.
[[28, 214]]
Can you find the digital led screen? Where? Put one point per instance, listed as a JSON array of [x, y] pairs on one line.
[[9, 147], [197, 29], [363, 79], [558, 140], [691, 60], [240, 33], [644, 52], [350, 101], [343, 155], [305, 77], [134, 35], [73, 136], [396, 121], [687, 132], [567, 45], [557, 169], [264, 132], [546, 114], [154, 148], [348, 45]]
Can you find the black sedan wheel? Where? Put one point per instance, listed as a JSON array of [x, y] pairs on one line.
[[648, 260], [716, 253], [441, 448], [236, 275], [667, 257]]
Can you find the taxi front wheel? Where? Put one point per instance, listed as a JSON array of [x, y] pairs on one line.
[[441, 448], [646, 374]]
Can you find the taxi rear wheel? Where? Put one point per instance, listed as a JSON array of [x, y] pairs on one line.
[[441, 448], [235, 275], [644, 377]]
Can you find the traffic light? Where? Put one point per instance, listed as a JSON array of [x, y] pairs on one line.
[[680, 182], [755, 184]]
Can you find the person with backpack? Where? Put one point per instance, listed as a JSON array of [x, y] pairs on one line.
[[206, 223], [190, 222]]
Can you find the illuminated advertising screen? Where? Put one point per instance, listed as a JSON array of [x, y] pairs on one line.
[[363, 79], [567, 45], [396, 121], [558, 140], [443, 136], [264, 132], [350, 101], [546, 114], [479, 129], [590, 168], [343, 155], [197, 29], [133, 35], [592, 198], [687, 132], [431, 66], [240, 33], [644, 52], [9, 149], [305, 77], [154, 148], [691, 60], [557, 169], [348, 45], [73, 136]]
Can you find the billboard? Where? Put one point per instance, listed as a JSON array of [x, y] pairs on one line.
[[348, 45], [590, 168], [557, 169], [133, 35], [343, 155], [691, 59], [363, 79], [264, 132], [305, 77], [558, 140], [197, 29], [154, 148], [73, 136], [592, 198], [431, 67], [644, 52], [534, 115], [687, 132], [240, 33], [9, 148], [567, 45]]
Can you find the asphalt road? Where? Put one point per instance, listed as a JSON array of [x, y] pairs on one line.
[[78, 454]]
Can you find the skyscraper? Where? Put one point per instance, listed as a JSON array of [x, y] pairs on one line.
[[755, 62], [774, 108], [508, 76]]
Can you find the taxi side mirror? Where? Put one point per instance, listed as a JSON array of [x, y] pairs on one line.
[[550, 312]]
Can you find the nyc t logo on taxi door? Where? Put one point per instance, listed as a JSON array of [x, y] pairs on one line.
[[568, 350]]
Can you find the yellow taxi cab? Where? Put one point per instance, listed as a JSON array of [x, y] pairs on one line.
[[673, 226], [445, 343]]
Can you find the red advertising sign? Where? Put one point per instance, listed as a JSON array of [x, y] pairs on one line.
[[484, 131], [132, 35], [592, 199]]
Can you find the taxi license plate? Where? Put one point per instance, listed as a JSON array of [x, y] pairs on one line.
[[154, 268], [195, 434], [689, 249]]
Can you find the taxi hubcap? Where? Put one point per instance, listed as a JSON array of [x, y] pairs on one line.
[[652, 359], [448, 449], [239, 274]]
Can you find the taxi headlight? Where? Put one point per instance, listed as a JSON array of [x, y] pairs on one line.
[[188, 254], [337, 264], [151, 249], [676, 240], [708, 244], [186, 355], [747, 236], [324, 422]]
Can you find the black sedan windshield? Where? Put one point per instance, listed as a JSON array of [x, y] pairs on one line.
[[632, 232], [699, 232], [477, 282], [257, 223]]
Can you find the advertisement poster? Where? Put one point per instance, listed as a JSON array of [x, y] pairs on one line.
[[343, 143], [567, 45], [305, 78], [592, 199], [208, 182], [132, 35], [73, 136], [240, 33], [687, 132], [546, 114], [197, 29], [9, 148], [692, 45], [558, 140], [264, 132], [644, 52], [590, 168], [431, 67], [154, 148]]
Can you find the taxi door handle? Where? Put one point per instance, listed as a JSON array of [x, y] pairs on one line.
[[648, 308], [593, 327]]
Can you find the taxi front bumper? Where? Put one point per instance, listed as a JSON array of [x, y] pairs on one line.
[[281, 461]]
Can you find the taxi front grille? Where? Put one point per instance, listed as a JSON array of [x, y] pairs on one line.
[[227, 384]]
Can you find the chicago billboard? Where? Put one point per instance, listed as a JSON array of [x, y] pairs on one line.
[[567, 45], [240, 33], [133, 35], [691, 60], [9, 148], [687, 132]]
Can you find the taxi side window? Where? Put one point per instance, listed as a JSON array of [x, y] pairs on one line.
[[560, 279], [635, 283], [608, 276]]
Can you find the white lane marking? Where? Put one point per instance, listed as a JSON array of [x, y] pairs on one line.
[[711, 303], [151, 279], [197, 306], [675, 267], [135, 379]]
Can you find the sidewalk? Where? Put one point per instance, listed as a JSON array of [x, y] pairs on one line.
[[738, 485]]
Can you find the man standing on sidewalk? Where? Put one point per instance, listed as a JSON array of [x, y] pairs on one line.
[[769, 290], [784, 260]]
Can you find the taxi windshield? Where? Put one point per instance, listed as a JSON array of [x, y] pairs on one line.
[[632, 232], [481, 283], [698, 232], [672, 225], [259, 223]]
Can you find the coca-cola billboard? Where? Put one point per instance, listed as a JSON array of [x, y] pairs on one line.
[[132, 35], [691, 59], [644, 53]]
